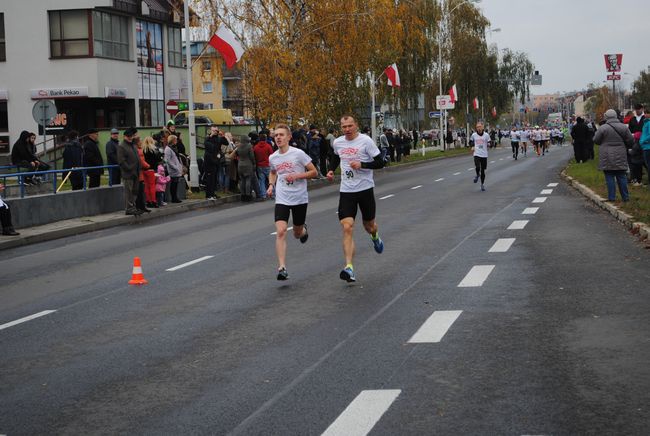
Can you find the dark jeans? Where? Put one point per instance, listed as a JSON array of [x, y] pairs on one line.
[[5, 218], [76, 180], [130, 193], [115, 176], [94, 180], [612, 178], [173, 189], [139, 200], [210, 177], [515, 149], [646, 158]]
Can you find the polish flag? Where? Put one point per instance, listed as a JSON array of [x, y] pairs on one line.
[[226, 43], [475, 103], [494, 111], [453, 93], [393, 75]]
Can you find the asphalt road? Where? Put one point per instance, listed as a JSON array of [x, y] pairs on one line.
[[545, 332]]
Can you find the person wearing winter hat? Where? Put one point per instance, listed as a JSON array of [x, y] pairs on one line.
[[614, 138]]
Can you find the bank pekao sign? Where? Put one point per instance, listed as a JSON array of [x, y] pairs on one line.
[[38, 94]]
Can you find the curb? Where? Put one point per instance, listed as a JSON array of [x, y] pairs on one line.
[[641, 230], [95, 223]]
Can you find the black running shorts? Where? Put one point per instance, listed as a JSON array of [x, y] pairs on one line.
[[364, 200], [298, 212]]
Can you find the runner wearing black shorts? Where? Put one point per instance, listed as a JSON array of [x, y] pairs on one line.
[[358, 156], [290, 168]]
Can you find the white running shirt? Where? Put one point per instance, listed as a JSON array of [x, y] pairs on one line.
[[361, 149], [514, 136], [481, 143], [293, 161], [524, 135]]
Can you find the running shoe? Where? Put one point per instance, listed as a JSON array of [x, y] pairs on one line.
[[304, 236], [378, 244], [347, 274], [283, 274], [482, 187], [475, 179]]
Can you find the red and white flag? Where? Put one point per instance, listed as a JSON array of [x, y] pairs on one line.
[[453, 94], [393, 75], [226, 43], [494, 111], [475, 103]]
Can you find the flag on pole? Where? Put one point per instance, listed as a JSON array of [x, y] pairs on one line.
[[393, 75], [226, 43], [475, 103], [453, 94], [494, 111]]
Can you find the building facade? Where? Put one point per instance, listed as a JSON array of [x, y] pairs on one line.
[[104, 63]]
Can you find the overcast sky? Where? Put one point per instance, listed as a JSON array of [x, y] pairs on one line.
[[566, 39]]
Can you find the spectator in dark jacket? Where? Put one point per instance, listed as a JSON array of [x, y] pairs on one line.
[[23, 154], [262, 151], [614, 137], [212, 162], [73, 158], [129, 161], [92, 157], [582, 137], [635, 154], [111, 156], [5, 217]]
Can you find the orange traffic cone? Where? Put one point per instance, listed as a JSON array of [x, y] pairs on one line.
[[137, 278]]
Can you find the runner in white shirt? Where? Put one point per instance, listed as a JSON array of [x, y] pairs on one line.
[[290, 169], [523, 140], [480, 150], [358, 156], [514, 142], [537, 137], [545, 138]]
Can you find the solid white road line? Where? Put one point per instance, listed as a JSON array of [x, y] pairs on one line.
[[502, 245], [439, 180], [476, 276], [417, 187], [291, 228], [530, 211], [518, 225], [386, 196], [552, 185], [192, 262], [435, 327], [540, 199], [363, 413], [546, 192], [456, 174], [25, 319]]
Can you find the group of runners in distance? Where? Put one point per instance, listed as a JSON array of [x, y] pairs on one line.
[[357, 155], [540, 137]]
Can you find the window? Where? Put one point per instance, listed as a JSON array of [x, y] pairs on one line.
[[3, 52], [151, 89], [207, 65], [206, 87], [175, 47], [69, 34], [110, 35]]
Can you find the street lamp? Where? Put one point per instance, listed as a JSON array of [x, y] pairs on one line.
[[443, 120]]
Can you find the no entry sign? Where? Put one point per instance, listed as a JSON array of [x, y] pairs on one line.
[[171, 107]]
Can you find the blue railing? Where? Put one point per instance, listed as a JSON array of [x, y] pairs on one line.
[[8, 167], [84, 170]]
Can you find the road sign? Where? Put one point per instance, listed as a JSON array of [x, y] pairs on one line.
[[435, 114], [443, 102], [171, 107], [44, 111], [613, 77]]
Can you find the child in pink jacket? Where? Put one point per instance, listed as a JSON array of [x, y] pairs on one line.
[[161, 185]]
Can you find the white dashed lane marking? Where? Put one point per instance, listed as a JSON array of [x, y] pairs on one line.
[[530, 211], [25, 319], [192, 262], [476, 276], [439, 180], [417, 187], [552, 185], [546, 192], [502, 245], [518, 225], [493, 161], [435, 327], [456, 174], [363, 413], [386, 196], [540, 200]]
